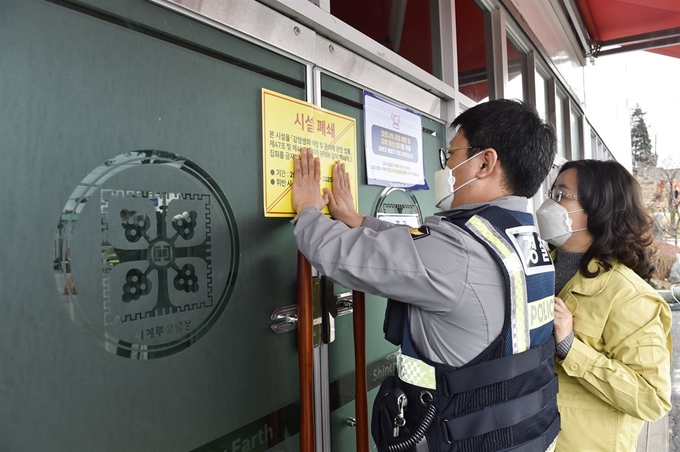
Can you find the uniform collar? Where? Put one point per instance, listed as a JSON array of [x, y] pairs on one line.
[[517, 203]]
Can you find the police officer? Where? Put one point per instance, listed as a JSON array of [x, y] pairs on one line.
[[471, 290]]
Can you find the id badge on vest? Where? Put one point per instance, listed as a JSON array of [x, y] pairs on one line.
[[531, 250]]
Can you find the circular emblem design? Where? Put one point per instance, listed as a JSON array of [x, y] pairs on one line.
[[148, 252]]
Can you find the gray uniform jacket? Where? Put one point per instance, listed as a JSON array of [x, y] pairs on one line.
[[454, 288]]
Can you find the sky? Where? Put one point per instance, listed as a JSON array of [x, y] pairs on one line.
[[653, 82]]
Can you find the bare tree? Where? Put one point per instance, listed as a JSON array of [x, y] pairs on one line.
[[666, 197]]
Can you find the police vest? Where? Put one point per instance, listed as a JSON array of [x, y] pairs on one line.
[[505, 398]]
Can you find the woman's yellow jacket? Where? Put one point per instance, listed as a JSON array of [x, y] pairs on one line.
[[617, 372]]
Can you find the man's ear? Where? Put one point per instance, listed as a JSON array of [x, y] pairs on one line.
[[488, 163]]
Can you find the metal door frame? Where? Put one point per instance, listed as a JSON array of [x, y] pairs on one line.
[[261, 25]]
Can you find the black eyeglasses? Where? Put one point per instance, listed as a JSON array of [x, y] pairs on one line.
[[445, 154]]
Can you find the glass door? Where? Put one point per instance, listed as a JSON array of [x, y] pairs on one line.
[[138, 272], [346, 99]]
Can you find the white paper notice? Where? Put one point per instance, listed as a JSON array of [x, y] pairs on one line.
[[394, 145]]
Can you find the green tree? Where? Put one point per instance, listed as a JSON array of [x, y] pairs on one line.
[[640, 143]]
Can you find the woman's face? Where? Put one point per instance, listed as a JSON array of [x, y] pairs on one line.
[[565, 189]]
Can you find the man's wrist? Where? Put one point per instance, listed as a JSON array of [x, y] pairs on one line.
[[300, 207], [356, 220]]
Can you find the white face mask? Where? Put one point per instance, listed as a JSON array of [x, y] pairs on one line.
[[554, 223], [443, 185]]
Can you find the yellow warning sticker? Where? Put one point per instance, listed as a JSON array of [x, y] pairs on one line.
[[288, 125]]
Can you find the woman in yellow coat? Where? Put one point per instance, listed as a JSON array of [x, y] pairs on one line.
[[611, 328]]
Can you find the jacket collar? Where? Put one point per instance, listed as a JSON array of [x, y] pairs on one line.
[[587, 286]]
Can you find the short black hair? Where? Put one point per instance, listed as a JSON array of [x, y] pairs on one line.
[[525, 144]]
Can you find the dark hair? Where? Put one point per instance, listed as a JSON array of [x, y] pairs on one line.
[[617, 217], [525, 144]]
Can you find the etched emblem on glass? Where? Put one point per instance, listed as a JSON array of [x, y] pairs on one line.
[[146, 271]]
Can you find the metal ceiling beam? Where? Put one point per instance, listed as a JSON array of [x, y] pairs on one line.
[[644, 37], [396, 26], [578, 25], [648, 45]]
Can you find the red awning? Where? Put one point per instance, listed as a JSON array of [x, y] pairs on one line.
[[632, 25]]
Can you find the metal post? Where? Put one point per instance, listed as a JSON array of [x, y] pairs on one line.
[[305, 353], [359, 323]]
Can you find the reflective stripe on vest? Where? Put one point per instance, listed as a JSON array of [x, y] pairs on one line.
[[518, 292], [551, 448], [415, 372]]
